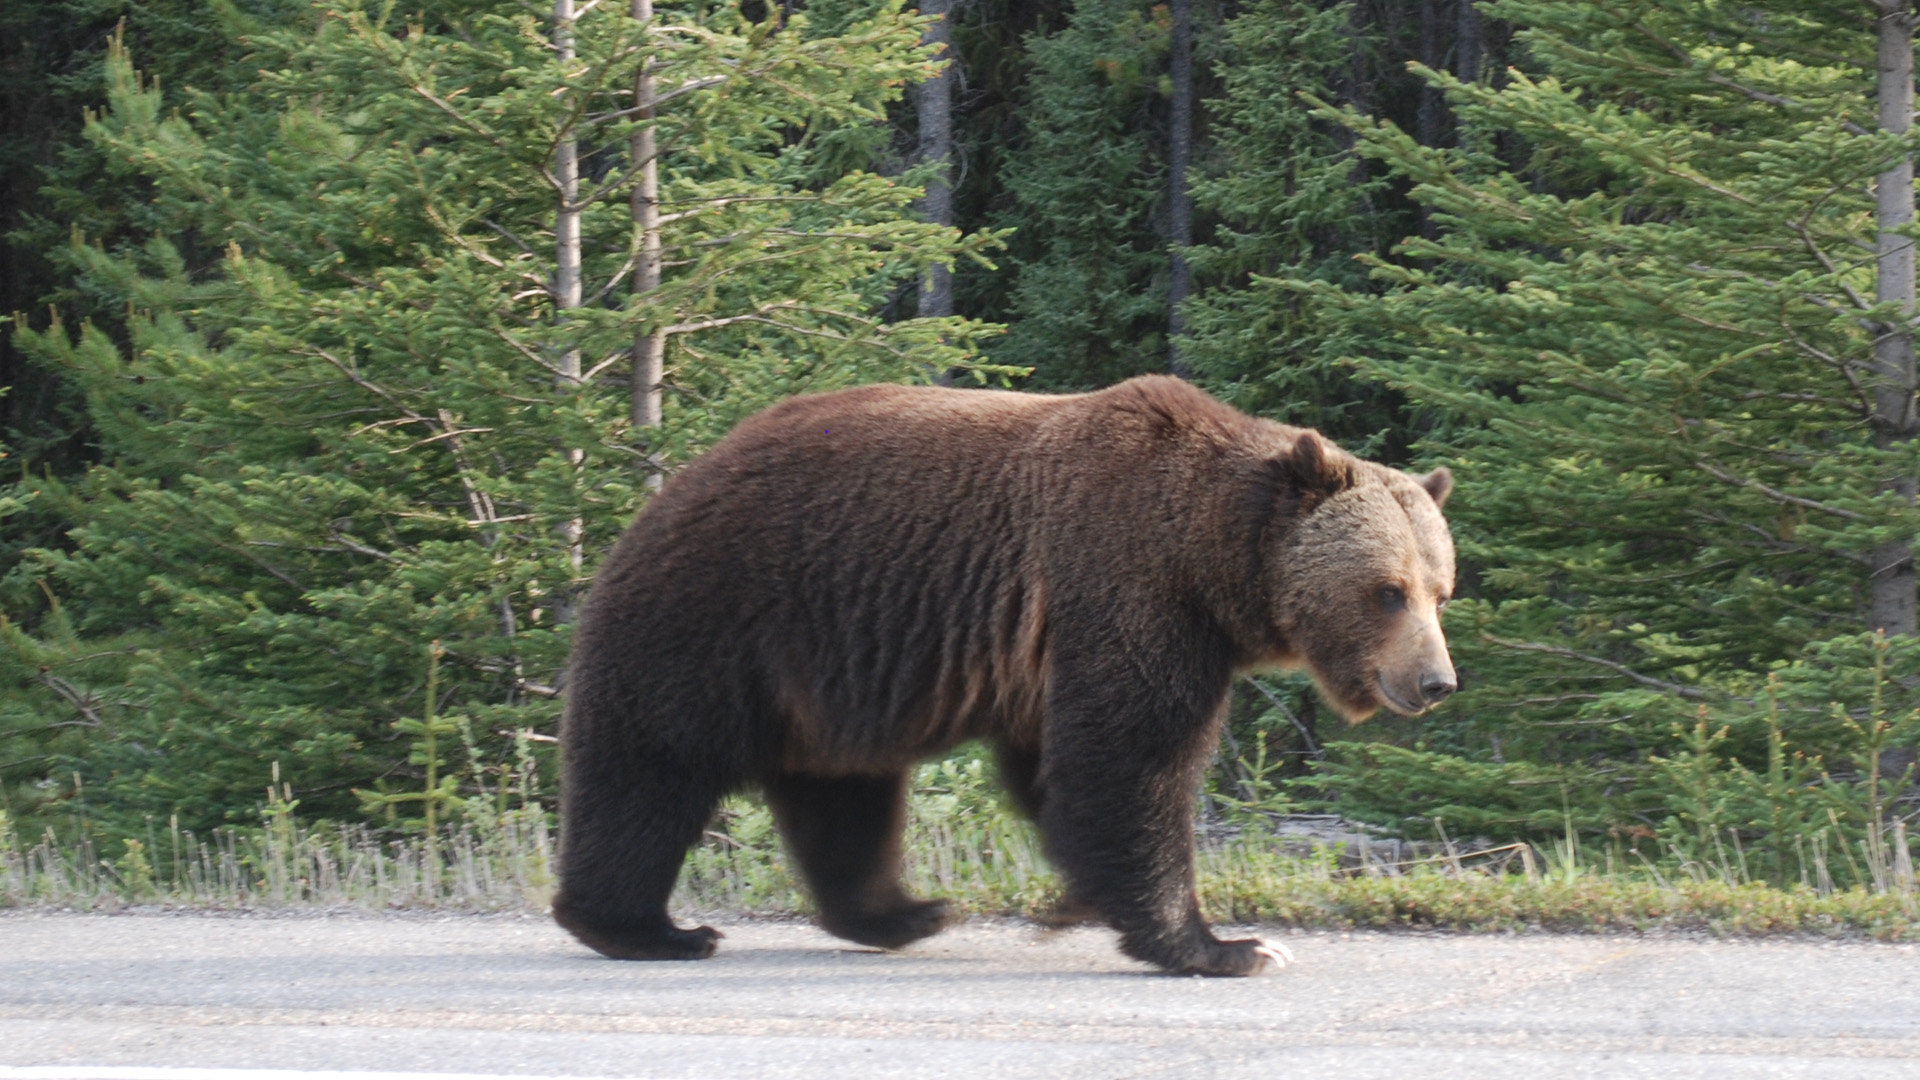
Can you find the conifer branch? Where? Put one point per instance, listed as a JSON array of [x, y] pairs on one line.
[[82, 703], [1826, 262], [1689, 692], [1312, 746], [1693, 64], [1775, 494], [263, 564], [691, 86], [528, 353], [758, 315], [349, 543]]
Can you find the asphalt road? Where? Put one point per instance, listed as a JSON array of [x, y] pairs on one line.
[[513, 996]]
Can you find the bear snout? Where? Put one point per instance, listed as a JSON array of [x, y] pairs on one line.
[[1415, 672], [1413, 692], [1435, 686]]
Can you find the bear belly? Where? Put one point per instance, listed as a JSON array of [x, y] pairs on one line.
[[862, 731]]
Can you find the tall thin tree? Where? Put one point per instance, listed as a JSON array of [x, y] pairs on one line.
[[1893, 592], [934, 103], [650, 344], [567, 280]]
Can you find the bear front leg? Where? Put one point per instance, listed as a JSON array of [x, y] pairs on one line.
[[1121, 771]]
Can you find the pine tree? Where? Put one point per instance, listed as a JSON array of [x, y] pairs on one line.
[[1087, 186], [1292, 202], [1654, 350], [51, 58], [365, 431]]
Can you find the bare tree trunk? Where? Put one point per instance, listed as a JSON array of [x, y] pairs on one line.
[[934, 103], [1179, 199], [649, 347], [566, 282], [566, 220], [1894, 583]]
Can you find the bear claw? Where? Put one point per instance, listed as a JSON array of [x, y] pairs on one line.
[[1277, 955], [1232, 959]]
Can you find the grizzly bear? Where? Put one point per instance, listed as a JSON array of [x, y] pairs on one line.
[[852, 582]]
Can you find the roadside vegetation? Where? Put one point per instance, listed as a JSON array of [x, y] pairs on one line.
[[964, 844], [341, 338]]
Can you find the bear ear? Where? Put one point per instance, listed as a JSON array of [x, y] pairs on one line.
[[1439, 484], [1315, 466]]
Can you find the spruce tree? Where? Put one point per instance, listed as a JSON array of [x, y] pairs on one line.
[[1087, 195], [1292, 202], [382, 421], [1653, 347]]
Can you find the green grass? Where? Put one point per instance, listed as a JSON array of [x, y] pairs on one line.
[[962, 848], [1249, 885]]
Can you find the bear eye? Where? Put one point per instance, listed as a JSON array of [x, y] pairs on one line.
[[1392, 599], [1441, 603]]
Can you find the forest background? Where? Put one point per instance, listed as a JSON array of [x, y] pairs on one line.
[[347, 336]]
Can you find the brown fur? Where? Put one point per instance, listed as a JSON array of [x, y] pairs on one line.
[[852, 582]]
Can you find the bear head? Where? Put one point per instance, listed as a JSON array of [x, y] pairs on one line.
[[1358, 577]]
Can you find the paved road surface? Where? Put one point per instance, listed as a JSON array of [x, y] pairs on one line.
[[513, 997]]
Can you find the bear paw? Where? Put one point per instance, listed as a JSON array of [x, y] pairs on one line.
[[1200, 953], [654, 943], [894, 928], [1278, 955], [1245, 956]]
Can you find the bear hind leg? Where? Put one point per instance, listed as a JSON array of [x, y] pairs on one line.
[[845, 833], [623, 842], [1020, 776]]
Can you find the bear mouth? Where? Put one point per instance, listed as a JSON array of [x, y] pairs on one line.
[[1394, 701]]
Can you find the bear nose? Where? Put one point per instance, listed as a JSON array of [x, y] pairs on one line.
[[1435, 686]]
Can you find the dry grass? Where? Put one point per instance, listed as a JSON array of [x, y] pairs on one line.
[[496, 865], [973, 853]]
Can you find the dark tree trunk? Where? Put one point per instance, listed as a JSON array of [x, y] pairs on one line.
[[1432, 126], [1470, 43], [1179, 200]]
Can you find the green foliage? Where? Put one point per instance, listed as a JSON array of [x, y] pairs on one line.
[[1272, 889], [1292, 204], [1087, 301], [355, 432], [1417, 792], [439, 788], [1645, 351], [52, 59], [1781, 790], [308, 332]]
